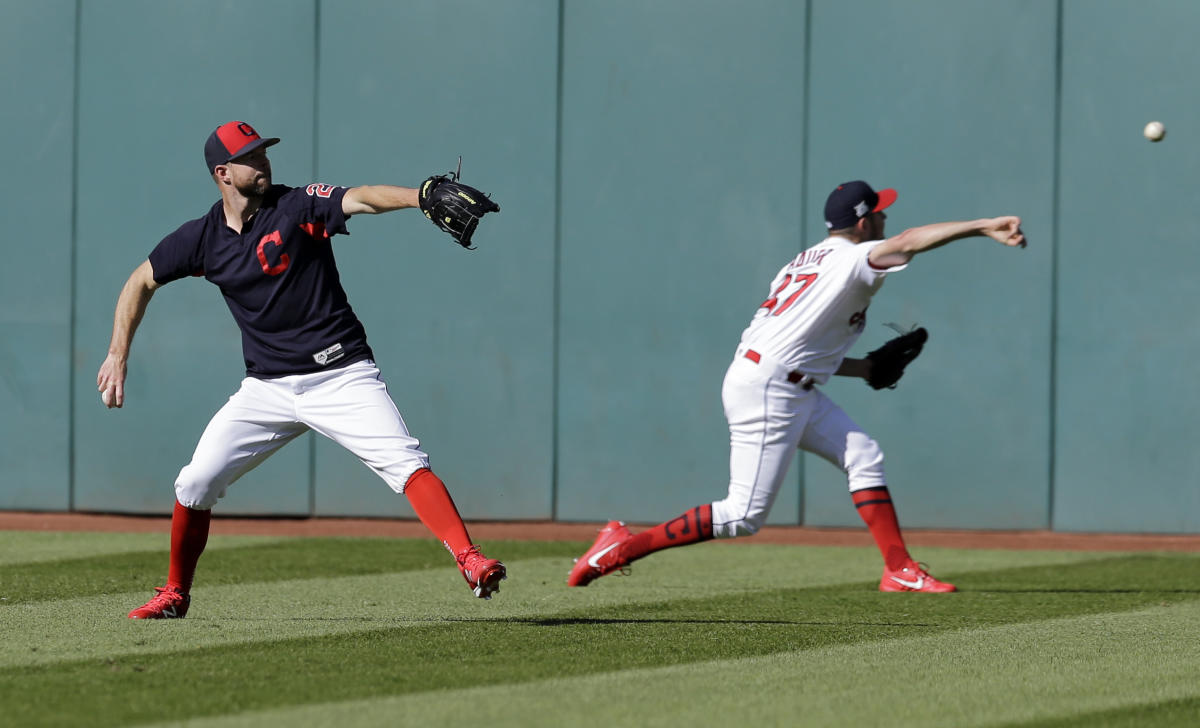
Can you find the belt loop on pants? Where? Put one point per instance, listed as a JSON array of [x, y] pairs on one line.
[[795, 376]]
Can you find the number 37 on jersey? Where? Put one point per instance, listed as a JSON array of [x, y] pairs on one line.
[[786, 294]]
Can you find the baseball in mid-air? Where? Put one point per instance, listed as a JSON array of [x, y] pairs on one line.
[[1155, 131]]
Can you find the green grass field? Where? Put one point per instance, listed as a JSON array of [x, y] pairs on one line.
[[373, 632]]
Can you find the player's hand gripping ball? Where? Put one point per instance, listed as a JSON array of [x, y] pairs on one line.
[[889, 360], [454, 207]]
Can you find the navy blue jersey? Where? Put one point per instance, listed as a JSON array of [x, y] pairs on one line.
[[278, 277]]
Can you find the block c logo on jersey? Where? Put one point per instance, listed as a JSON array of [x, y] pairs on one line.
[[284, 260]]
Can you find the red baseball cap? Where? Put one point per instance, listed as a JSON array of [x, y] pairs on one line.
[[231, 140], [852, 201]]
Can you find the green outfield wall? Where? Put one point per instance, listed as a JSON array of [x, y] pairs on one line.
[[656, 163]]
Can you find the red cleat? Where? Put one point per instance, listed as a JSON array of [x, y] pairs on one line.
[[912, 578], [603, 557], [483, 575], [168, 603]]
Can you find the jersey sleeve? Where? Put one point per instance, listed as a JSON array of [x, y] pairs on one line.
[[318, 208], [180, 254], [867, 272]]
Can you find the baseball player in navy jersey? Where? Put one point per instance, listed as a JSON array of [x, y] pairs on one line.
[[308, 365], [799, 337]]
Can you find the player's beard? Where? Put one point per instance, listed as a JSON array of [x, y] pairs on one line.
[[255, 188]]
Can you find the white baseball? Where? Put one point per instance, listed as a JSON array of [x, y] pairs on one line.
[[106, 397], [1155, 131]]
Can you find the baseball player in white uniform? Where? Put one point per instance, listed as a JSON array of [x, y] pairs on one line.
[[815, 310]]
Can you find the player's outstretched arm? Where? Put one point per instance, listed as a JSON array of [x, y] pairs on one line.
[[849, 367], [374, 199], [901, 248], [131, 306]]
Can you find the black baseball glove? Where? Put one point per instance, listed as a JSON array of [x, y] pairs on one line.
[[454, 207], [889, 360]]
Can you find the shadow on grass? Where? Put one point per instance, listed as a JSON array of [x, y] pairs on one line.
[[1086, 591], [584, 621], [1180, 712], [549, 621]]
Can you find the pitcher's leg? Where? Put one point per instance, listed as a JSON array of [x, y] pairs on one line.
[[837, 438], [766, 419], [834, 436], [431, 501], [256, 421], [189, 536], [252, 425], [356, 411], [617, 547]]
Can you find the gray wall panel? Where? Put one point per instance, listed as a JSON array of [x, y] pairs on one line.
[[580, 377], [1126, 420], [37, 69], [464, 338], [951, 103], [141, 174], [681, 143]]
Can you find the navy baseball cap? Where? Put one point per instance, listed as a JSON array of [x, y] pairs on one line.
[[231, 140], [852, 201]]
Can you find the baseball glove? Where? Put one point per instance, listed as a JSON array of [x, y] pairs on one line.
[[454, 207], [889, 360]]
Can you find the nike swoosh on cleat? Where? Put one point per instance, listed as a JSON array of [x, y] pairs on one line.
[[920, 582], [595, 558]]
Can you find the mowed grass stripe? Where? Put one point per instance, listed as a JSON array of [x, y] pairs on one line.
[[262, 562], [1183, 712], [1078, 671], [107, 569], [679, 633], [26, 547], [94, 626]]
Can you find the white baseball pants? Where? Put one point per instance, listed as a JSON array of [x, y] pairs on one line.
[[350, 406], [769, 418]]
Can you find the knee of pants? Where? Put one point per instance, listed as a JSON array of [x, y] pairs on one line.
[[193, 490], [398, 472], [731, 520], [864, 464]]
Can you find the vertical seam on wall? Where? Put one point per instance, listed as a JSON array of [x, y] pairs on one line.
[[316, 83], [1056, 180], [72, 339], [807, 119], [556, 323], [312, 439]]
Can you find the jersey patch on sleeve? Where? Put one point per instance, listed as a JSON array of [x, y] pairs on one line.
[[317, 189]]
